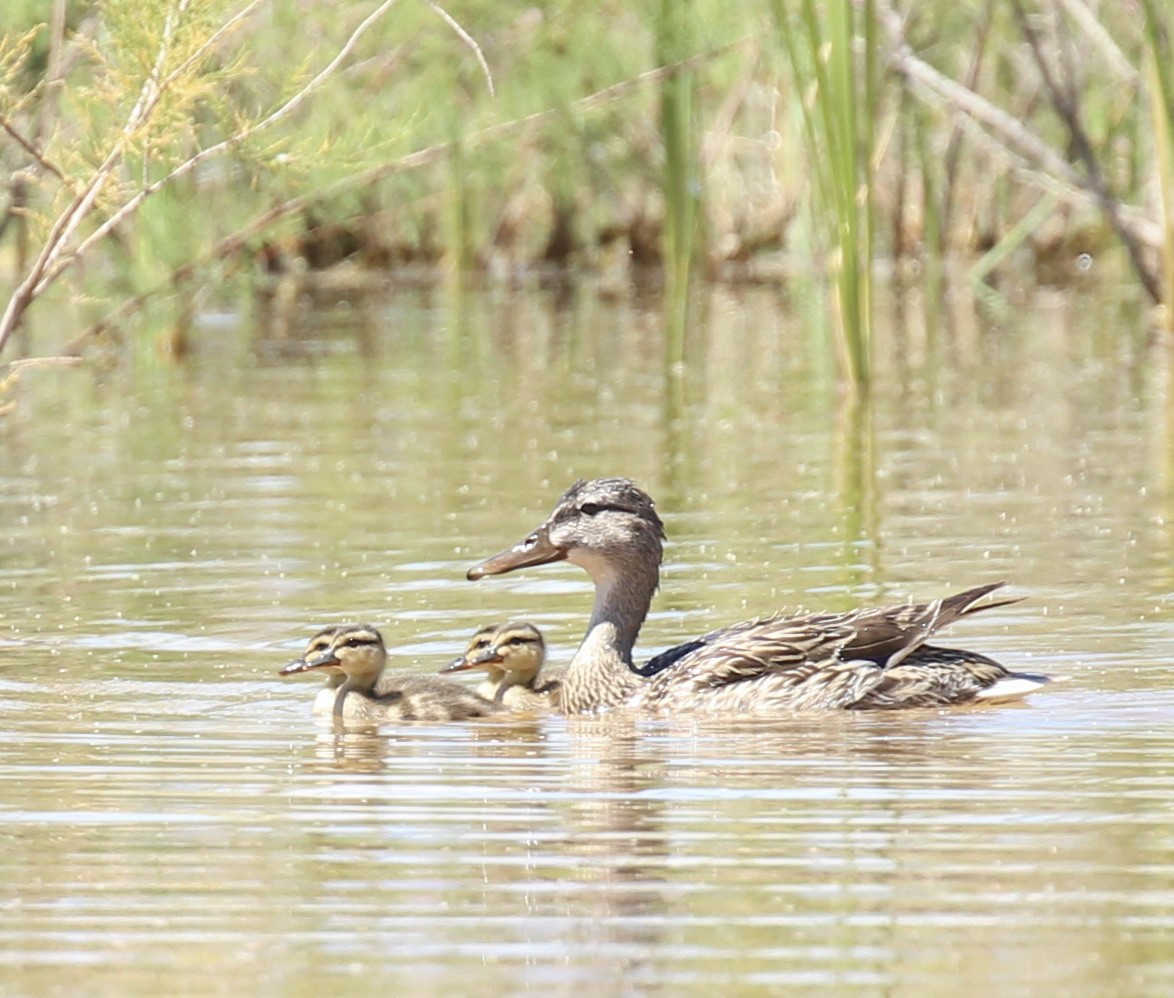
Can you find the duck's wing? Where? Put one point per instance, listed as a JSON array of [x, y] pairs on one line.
[[888, 635], [812, 660], [768, 664]]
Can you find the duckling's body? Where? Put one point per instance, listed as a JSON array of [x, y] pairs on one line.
[[512, 654], [358, 689], [863, 659]]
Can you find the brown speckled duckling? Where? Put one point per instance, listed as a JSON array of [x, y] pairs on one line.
[[357, 688], [512, 654]]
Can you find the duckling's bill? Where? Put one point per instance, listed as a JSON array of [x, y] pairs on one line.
[[326, 660], [489, 656]]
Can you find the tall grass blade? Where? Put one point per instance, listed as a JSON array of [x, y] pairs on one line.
[[1160, 77], [839, 97], [681, 181]]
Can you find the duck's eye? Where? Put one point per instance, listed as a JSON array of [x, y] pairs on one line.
[[591, 508]]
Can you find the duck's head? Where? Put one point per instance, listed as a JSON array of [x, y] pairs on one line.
[[315, 647], [478, 645], [516, 649], [596, 523], [356, 650]]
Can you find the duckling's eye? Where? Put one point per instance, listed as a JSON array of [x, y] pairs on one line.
[[591, 508], [515, 640]]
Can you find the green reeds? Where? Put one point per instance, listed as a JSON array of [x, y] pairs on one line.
[[681, 187], [839, 99]]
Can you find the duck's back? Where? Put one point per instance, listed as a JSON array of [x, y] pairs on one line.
[[410, 697], [543, 695], [869, 658]]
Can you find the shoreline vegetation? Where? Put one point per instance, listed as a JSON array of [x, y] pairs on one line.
[[165, 153]]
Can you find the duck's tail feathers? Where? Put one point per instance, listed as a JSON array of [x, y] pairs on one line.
[[963, 604], [1017, 685]]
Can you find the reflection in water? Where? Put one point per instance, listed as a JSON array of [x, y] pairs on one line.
[[173, 819], [617, 842]]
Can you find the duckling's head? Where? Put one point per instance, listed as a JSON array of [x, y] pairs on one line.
[[354, 650], [318, 644], [597, 523], [515, 650]]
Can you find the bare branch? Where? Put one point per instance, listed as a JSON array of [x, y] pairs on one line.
[[1009, 134], [468, 40], [32, 150], [1064, 103], [211, 41], [13, 371], [1079, 11]]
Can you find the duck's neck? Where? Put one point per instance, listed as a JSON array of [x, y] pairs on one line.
[[496, 684], [600, 675], [357, 683]]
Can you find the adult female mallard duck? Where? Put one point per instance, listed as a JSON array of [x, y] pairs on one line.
[[867, 658], [357, 688], [512, 654]]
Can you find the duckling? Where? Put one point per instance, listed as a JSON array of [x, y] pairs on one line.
[[357, 688], [512, 654], [872, 658], [316, 646]]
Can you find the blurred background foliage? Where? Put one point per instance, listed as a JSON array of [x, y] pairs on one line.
[[725, 164]]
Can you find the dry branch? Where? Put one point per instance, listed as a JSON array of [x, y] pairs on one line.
[[999, 130]]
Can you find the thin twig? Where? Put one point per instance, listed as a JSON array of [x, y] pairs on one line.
[[208, 43], [1079, 11], [28, 146], [12, 372], [954, 144], [16, 366], [468, 40]]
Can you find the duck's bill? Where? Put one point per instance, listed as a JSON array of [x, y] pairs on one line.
[[534, 550], [478, 661], [299, 665]]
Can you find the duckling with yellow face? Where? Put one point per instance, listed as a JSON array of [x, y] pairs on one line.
[[357, 689], [512, 654]]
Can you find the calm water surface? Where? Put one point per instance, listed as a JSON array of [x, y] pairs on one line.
[[173, 821]]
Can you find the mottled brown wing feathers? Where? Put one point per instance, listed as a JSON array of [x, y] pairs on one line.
[[829, 656]]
